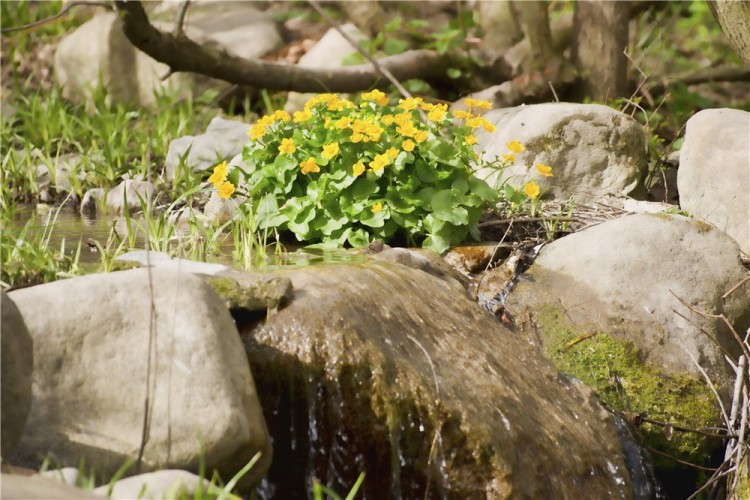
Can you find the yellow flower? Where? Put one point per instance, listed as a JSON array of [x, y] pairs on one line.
[[545, 170], [488, 126], [379, 162], [408, 129], [302, 116], [257, 131], [377, 207], [343, 122], [357, 137], [515, 146], [377, 96], [531, 189], [475, 122], [410, 103], [309, 165], [358, 168], [387, 119], [392, 153], [280, 114], [330, 150], [461, 114], [509, 157], [438, 112], [421, 136], [426, 106], [374, 132], [472, 139], [287, 146], [408, 145], [226, 189], [402, 118], [477, 103], [219, 175]]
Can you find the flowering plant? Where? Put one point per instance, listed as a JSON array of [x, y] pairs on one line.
[[338, 173]]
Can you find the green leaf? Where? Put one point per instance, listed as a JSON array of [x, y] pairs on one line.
[[358, 238], [453, 73], [394, 24], [363, 188], [481, 188], [268, 214], [393, 46]]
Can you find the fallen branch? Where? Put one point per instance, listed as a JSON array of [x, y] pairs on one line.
[[183, 54], [707, 75]]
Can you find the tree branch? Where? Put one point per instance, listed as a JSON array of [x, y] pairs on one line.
[[707, 75], [183, 54]]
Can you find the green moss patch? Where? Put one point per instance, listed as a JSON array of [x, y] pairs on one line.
[[616, 370]]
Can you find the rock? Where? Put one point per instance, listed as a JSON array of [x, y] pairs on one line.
[[156, 486], [714, 172], [646, 207], [162, 260], [471, 259], [99, 51], [67, 475], [380, 368], [17, 354], [223, 140], [92, 349], [329, 52], [613, 291], [593, 150], [130, 194], [251, 291], [92, 201], [36, 487]]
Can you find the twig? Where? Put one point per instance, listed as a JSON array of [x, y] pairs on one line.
[[735, 287], [680, 428], [378, 67], [710, 385], [49, 19], [683, 462], [429, 360], [741, 439], [178, 30], [499, 222]]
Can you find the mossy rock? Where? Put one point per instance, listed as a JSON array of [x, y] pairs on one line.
[[616, 370], [251, 292]]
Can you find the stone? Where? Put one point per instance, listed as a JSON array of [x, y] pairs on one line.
[[329, 52], [97, 350], [714, 173], [385, 369], [67, 475], [223, 140], [251, 291], [156, 486], [93, 201], [17, 353], [624, 286], [98, 51], [129, 195], [14, 487], [163, 260], [593, 150]]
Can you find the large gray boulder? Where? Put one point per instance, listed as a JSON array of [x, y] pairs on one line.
[[17, 353], [594, 151], [714, 174], [99, 51], [627, 276], [105, 343], [394, 371]]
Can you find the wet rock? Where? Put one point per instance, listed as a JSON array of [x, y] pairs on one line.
[[17, 354], [329, 52], [472, 259], [380, 368], [714, 172], [223, 140], [99, 51], [606, 300], [92, 200], [92, 339], [593, 150], [20, 487], [156, 485], [251, 291], [129, 195]]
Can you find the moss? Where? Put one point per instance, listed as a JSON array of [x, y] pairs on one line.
[[616, 370], [256, 293], [661, 215], [703, 226]]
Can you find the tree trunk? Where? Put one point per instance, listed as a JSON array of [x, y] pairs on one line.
[[538, 33], [734, 19], [499, 24], [601, 35]]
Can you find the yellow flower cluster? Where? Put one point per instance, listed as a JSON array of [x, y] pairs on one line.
[[330, 150], [379, 162], [309, 165], [377, 96], [477, 103], [219, 180], [332, 102], [363, 131], [258, 129], [287, 147]]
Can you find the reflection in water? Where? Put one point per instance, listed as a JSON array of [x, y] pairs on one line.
[[70, 229]]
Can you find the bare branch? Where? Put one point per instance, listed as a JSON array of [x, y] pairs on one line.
[[184, 54], [707, 75]]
